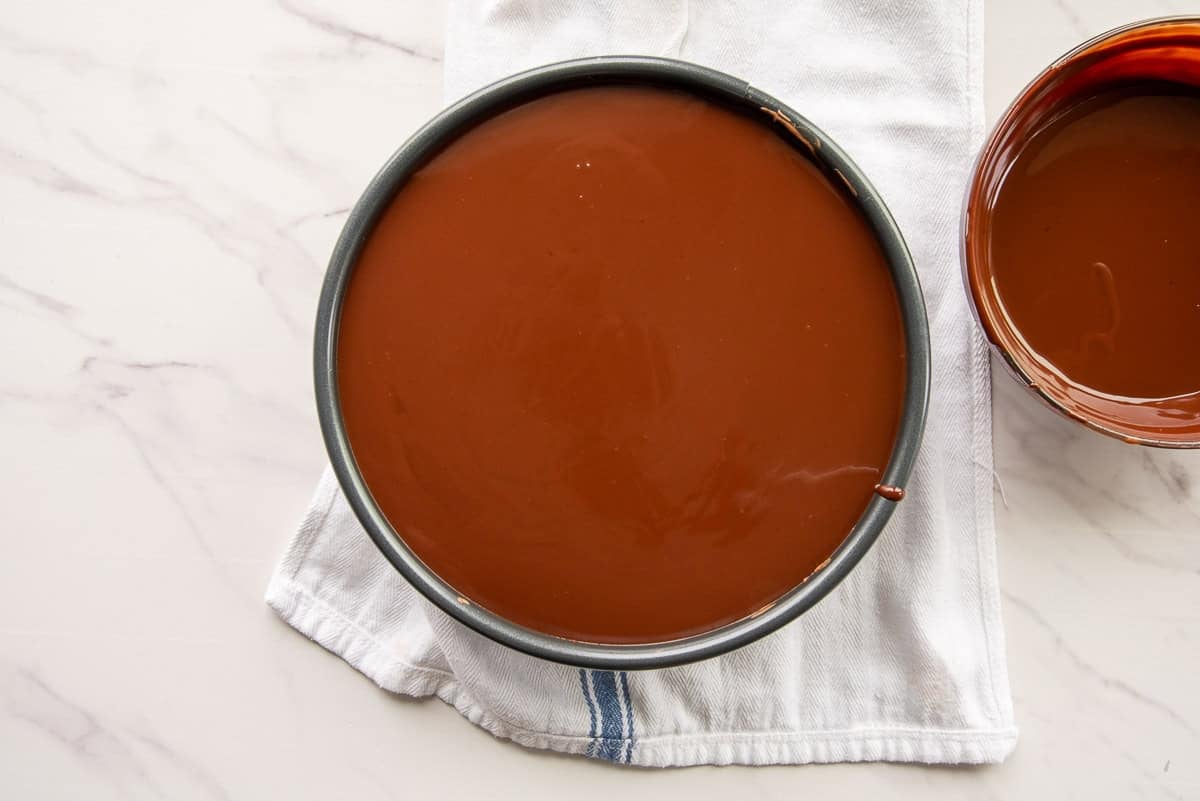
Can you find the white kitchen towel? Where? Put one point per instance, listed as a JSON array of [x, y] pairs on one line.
[[902, 662]]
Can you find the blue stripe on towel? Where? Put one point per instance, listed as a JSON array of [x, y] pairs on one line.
[[587, 696], [604, 682], [628, 717]]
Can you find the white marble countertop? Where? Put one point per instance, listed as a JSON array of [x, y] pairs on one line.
[[171, 182]]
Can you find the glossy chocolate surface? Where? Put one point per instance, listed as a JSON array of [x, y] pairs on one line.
[[1096, 248], [621, 365]]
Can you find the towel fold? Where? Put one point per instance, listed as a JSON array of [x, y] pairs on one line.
[[904, 661]]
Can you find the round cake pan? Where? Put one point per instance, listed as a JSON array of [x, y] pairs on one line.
[[719, 88]]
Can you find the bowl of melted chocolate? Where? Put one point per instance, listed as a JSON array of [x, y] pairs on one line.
[[1081, 244], [622, 363]]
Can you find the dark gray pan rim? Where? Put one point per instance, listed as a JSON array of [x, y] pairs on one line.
[[646, 71]]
